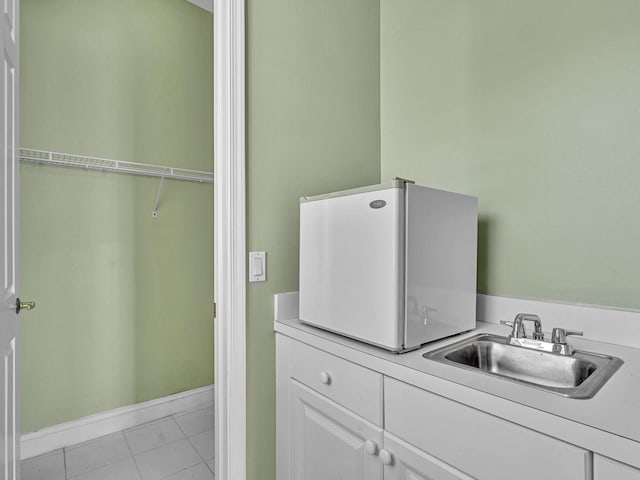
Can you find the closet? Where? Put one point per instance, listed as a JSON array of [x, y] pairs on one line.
[[116, 205]]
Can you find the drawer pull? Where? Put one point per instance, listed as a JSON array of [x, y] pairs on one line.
[[371, 447], [386, 457], [325, 378]]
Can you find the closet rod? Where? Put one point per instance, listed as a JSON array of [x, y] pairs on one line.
[[109, 165]]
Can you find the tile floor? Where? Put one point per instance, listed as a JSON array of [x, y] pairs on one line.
[[179, 447]]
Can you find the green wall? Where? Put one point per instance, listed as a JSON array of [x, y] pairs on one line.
[[312, 127], [533, 106], [124, 301]]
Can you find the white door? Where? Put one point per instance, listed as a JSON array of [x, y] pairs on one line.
[[9, 427], [351, 268], [329, 442], [409, 463], [605, 468]]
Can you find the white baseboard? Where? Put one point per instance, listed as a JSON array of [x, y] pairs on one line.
[[204, 4], [103, 423]]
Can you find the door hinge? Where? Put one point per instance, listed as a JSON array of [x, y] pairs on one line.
[[214, 310]]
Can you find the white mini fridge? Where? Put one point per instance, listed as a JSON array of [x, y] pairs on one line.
[[391, 265]]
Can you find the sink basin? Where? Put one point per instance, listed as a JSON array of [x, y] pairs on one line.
[[580, 375]]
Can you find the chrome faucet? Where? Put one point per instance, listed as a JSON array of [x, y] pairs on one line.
[[558, 343], [518, 326]]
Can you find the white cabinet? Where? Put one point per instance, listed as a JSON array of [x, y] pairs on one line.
[[330, 442], [606, 469], [340, 420]]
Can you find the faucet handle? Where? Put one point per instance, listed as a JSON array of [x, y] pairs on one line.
[[559, 335]]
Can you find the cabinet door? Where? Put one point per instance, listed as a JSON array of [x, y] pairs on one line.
[[606, 469], [329, 442], [481, 445], [409, 463]]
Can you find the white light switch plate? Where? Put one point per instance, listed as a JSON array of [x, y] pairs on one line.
[[257, 266]]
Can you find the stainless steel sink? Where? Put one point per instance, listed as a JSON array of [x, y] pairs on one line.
[[579, 375]]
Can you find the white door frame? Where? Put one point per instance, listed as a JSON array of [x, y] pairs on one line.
[[229, 240]]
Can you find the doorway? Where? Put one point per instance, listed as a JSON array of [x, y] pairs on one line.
[[102, 230]]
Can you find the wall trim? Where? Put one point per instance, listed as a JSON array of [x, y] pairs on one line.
[[230, 239], [103, 423]]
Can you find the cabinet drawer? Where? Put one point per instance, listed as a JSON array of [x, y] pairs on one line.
[[352, 386], [478, 444]]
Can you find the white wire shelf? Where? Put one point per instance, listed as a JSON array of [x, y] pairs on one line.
[[109, 165]]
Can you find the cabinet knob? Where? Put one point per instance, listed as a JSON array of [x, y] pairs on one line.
[[325, 378], [386, 457], [371, 447]]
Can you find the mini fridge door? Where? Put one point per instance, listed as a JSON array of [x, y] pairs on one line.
[[351, 265], [441, 264]]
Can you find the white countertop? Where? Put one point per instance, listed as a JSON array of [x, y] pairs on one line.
[[608, 423]]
